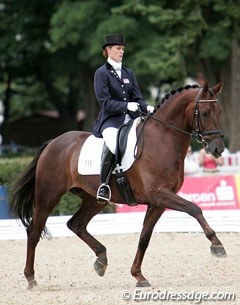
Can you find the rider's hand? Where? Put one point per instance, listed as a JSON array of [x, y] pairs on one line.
[[132, 106], [150, 109]]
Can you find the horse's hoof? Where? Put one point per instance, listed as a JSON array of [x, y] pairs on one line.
[[143, 284], [32, 284], [218, 251], [100, 268]]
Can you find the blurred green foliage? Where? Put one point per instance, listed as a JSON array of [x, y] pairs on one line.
[[11, 169], [50, 50]]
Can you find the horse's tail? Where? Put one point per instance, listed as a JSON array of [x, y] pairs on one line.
[[22, 199]]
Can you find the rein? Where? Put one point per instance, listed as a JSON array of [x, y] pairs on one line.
[[144, 118], [170, 125]]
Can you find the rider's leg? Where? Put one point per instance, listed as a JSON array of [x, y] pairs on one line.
[[109, 135]]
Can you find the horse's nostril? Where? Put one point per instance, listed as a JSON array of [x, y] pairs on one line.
[[219, 150]]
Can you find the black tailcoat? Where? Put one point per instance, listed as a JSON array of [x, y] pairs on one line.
[[113, 94]]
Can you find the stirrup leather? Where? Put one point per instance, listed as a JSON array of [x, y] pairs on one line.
[[101, 196]]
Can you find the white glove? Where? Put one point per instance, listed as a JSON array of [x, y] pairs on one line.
[[132, 106], [150, 109]]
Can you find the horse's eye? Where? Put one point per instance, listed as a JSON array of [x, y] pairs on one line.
[[205, 113]]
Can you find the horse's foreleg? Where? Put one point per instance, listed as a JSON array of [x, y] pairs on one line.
[[151, 217], [78, 224], [175, 202], [217, 248]]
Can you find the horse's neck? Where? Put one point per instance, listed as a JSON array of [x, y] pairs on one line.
[[174, 110], [159, 135], [169, 125]]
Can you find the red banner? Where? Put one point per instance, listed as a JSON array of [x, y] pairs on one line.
[[209, 193]]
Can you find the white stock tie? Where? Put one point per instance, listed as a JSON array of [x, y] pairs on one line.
[[118, 68]]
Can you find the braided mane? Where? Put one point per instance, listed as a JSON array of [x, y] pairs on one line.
[[174, 91]]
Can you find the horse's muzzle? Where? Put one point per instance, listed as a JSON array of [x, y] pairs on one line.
[[215, 147]]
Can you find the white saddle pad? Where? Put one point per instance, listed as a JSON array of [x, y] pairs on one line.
[[89, 162]]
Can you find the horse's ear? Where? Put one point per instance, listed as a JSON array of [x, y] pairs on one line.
[[217, 89], [205, 89]]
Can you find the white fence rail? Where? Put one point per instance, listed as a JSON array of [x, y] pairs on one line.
[[119, 223]]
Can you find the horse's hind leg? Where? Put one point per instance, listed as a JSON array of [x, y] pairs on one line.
[[151, 217], [78, 224], [34, 232], [45, 201]]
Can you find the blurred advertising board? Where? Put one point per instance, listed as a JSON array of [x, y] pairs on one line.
[[209, 193]]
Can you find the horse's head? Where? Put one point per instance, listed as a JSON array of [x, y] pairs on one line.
[[206, 119]]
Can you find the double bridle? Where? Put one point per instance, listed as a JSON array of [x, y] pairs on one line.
[[198, 133]]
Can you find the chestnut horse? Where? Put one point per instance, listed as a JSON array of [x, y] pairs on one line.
[[155, 177]]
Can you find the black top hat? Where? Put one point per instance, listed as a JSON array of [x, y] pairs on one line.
[[114, 39]]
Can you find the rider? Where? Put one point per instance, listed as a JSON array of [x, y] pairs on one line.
[[120, 98]]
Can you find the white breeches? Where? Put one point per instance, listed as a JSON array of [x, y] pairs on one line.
[[110, 137]]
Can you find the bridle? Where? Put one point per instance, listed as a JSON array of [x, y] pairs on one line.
[[198, 133]]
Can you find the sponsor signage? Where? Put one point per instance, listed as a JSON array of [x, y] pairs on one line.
[[209, 193]]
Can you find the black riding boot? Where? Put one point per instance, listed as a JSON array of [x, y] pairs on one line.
[[104, 191]]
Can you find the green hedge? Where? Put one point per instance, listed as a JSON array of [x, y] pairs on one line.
[[12, 168]]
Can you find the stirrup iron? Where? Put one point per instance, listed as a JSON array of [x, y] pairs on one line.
[[102, 198]]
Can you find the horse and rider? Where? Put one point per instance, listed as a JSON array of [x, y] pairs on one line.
[[155, 177]]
